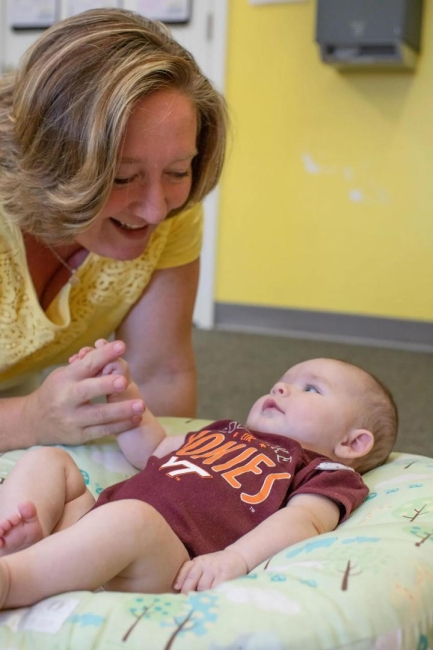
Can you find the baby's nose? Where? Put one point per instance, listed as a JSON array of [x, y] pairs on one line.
[[281, 388]]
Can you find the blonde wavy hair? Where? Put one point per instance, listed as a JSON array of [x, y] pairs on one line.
[[63, 114]]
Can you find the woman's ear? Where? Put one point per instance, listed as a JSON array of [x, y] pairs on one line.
[[358, 442]]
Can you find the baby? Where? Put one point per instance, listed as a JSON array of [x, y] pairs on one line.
[[208, 506]]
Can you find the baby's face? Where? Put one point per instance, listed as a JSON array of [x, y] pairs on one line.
[[315, 402]]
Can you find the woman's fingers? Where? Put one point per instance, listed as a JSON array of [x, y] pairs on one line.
[[102, 414], [65, 402], [95, 360], [99, 420], [109, 429]]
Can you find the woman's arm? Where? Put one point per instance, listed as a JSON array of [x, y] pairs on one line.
[[157, 333]]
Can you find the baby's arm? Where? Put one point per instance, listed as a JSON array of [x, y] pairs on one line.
[[139, 443], [305, 516]]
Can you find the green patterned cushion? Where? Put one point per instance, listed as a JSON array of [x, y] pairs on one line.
[[367, 585]]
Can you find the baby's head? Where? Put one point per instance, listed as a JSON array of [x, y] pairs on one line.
[[331, 407]]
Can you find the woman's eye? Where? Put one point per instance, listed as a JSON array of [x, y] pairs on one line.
[[124, 181], [179, 175], [309, 388]]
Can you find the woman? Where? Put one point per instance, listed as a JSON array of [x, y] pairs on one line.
[[110, 136]]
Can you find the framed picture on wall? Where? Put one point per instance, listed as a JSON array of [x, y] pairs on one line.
[[175, 12], [31, 14]]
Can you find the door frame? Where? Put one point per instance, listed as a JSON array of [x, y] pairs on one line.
[[215, 68]]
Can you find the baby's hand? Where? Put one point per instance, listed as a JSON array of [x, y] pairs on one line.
[[206, 571], [117, 367], [81, 354], [89, 348]]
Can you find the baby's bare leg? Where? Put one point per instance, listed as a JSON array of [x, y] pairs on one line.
[[44, 490], [123, 545]]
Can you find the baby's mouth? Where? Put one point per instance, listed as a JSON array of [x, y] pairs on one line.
[[271, 404]]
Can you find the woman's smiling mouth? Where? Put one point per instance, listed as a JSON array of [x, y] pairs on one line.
[[127, 226]]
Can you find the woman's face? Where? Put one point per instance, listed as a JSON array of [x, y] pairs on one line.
[[153, 177]]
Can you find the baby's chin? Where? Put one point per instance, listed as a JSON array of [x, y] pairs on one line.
[[265, 425]]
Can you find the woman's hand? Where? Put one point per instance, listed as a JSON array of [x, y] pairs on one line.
[[118, 367], [206, 571], [60, 411]]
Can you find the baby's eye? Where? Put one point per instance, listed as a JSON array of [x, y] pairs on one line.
[[309, 388]]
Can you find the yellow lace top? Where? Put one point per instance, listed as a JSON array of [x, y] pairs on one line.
[[31, 339]]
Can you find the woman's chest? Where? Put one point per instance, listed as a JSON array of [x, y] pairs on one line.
[[48, 272]]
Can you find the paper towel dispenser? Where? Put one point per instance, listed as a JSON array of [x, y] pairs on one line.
[[355, 34]]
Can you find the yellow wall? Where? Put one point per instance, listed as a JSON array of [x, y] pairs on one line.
[[326, 199]]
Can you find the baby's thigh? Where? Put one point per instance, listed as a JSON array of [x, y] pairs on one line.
[[49, 478], [58, 467], [42, 470], [159, 553]]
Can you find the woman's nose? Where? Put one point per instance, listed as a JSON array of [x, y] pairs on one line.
[[150, 204], [280, 388]]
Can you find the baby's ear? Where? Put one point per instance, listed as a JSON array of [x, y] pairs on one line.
[[357, 443]]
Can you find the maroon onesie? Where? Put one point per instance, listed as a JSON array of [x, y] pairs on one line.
[[225, 480]]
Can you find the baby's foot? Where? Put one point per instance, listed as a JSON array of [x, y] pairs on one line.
[[20, 529]]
